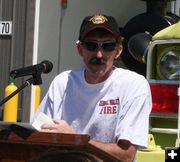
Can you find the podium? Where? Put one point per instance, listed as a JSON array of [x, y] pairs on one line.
[[24, 145]]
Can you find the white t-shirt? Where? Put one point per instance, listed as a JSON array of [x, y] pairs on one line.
[[115, 109]]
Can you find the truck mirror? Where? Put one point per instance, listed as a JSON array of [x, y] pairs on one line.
[[138, 46]]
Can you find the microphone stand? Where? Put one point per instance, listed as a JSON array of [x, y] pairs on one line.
[[34, 80]]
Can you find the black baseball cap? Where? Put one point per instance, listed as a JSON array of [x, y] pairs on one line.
[[99, 21]]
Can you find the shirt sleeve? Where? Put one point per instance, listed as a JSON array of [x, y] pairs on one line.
[[133, 121], [45, 107], [47, 104]]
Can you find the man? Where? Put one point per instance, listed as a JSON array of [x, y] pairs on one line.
[[110, 104]]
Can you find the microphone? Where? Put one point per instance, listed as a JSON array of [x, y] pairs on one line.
[[43, 67]]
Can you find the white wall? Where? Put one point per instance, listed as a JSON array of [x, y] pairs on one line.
[[58, 45], [177, 7]]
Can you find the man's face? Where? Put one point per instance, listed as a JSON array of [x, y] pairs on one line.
[[99, 59]]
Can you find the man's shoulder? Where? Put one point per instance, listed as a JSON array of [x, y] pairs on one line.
[[127, 73], [62, 75], [128, 77], [69, 73]]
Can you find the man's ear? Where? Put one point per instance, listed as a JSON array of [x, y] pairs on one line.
[[118, 51], [79, 48]]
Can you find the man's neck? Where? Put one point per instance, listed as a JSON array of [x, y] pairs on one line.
[[95, 79]]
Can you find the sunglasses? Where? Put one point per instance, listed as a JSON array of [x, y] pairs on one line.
[[106, 46]]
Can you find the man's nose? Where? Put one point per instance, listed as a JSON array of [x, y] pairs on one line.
[[99, 53]]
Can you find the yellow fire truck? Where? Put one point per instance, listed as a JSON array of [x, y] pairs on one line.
[[162, 56]]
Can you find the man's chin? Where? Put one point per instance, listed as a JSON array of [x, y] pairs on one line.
[[98, 72]]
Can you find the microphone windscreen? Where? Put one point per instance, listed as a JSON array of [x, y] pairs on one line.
[[47, 66]]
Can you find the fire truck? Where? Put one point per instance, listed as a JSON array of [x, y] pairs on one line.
[[162, 57], [152, 48]]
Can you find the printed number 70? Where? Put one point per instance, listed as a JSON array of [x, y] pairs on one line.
[[5, 28]]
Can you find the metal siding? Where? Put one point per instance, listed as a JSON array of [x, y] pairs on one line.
[[13, 49]]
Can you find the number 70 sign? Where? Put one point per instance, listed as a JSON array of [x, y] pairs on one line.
[[5, 27]]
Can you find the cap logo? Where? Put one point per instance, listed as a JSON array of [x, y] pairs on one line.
[[98, 19]]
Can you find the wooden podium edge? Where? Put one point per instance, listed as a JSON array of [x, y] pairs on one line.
[[39, 141]]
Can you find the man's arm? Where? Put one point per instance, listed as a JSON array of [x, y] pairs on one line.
[[123, 150]]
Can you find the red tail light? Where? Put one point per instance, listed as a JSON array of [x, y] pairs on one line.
[[164, 98]]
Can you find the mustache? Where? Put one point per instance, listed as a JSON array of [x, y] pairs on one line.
[[97, 61]]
